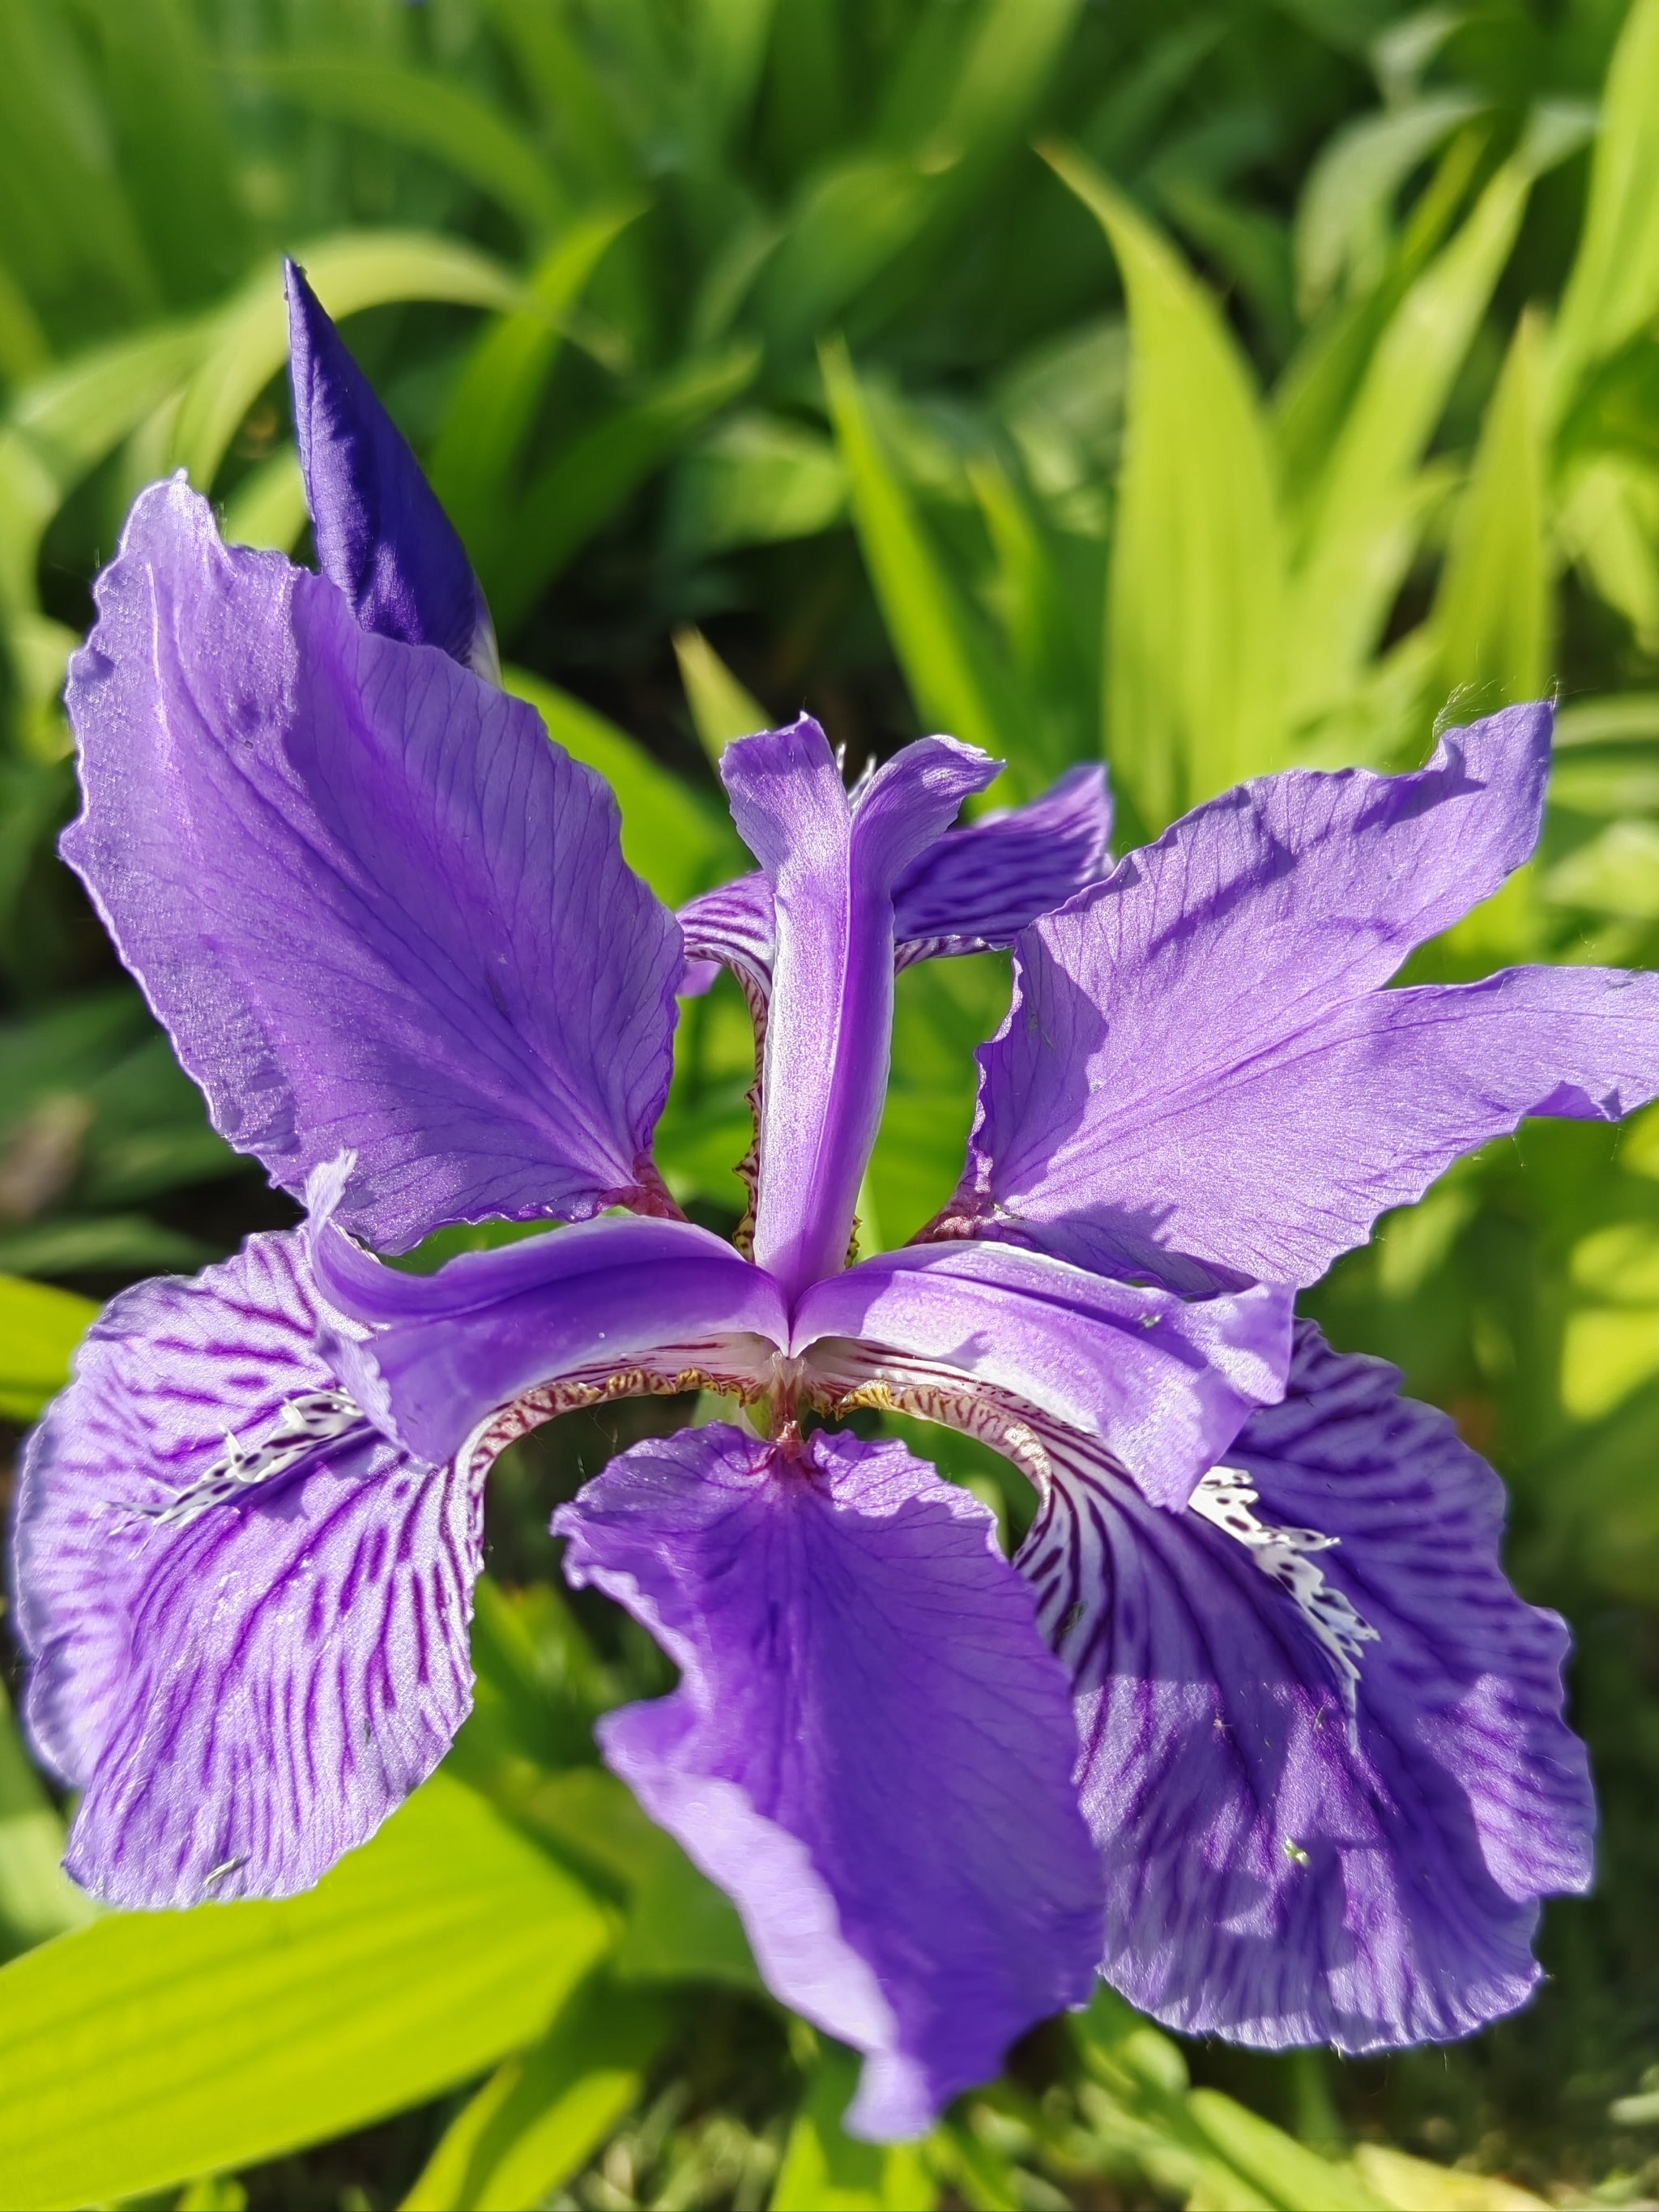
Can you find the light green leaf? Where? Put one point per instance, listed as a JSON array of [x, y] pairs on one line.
[[152, 2046], [729, 43], [825, 2170], [1614, 287], [951, 680], [1609, 522], [676, 837], [1289, 2175], [24, 350], [1617, 872], [1626, 718], [852, 219], [268, 507], [1492, 614], [1414, 2185], [755, 479], [107, 1243], [37, 1897], [543, 2115], [1366, 515], [492, 408], [348, 270], [1195, 605], [39, 1328], [1343, 217], [721, 708], [474, 137], [583, 487]]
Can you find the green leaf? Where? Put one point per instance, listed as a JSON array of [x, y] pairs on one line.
[[39, 1328], [825, 2170], [430, 114], [951, 678], [348, 270], [268, 507], [492, 408], [37, 1897], [582, 488], [851, 221], [1343, 217], [1608, 519], [1493, 612], [1289, 2175], [675, 836], [542, 2115], [1366, 517], [152, 2046], [754, 480], [721, 708], [1195, 607], [1613, 287]]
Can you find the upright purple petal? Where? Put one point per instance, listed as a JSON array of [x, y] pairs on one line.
[[970, 890], [1323, 1755], [612, 1309], [381, 535], [870, 1747], [376, 908], [1014, 1345], [1201, 1079], [834, 864], [245, 1613]]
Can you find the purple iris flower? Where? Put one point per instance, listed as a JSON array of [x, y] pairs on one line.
[[1253, 1724]]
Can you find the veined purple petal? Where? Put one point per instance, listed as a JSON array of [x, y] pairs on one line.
[[376, 908], [970, 889], [381, 534], [1200, 1078], [994, 1339], [610, 1308], [245, 1612], [870, 1747], [1329, 1783], [833, 862]]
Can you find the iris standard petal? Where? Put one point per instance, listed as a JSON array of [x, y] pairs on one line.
[[1323, 1755], [832, 861], [994, 1339], [870, 1747], [245, 1613], [970, 889], [375, 906], [460, 1362], [381, 534], [1200, 1078]]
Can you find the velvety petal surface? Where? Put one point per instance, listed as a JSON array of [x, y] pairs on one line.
[[1330, 1782], [832, 861], [870, 1748], [376, 908], [610, 1308], [986, 1333], [970, 889], [244, 1658], [1200, 1078], [381, 534]]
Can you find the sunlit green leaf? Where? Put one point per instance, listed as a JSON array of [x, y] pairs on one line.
[[1196, 617], [825, 2170], [755, 479], [721, 708], [151, 2046], [1342, 219], [37, 1897], [540, 2118], [1609, 521], [268, 507], [39, 1328], [1494, 612]]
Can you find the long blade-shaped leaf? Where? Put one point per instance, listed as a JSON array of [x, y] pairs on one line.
[[1195, 622], [1366, 517], [1614, 287], [152, 2046], [951, 678], [39, 1328], [1492, 613]]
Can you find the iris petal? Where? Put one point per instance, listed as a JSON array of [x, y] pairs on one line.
[[244, 1693], [375, 907], [1281, 1869], [870, 1747]]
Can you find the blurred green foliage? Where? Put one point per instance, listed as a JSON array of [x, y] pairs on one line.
[[1219, 386]]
